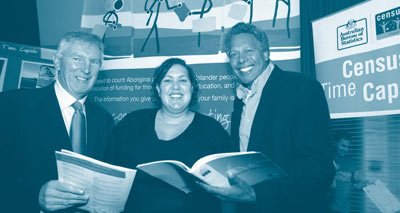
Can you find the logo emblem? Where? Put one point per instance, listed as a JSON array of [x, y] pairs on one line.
[[351, 34], [387, 23]]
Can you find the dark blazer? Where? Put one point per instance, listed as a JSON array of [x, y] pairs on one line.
[[32, 129], [292, 127]]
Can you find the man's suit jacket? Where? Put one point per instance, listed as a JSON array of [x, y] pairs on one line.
[[292, 127], [32, 129]]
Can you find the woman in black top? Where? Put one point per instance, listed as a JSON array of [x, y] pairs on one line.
[[170, 132]]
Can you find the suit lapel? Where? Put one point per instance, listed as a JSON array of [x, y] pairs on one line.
[[49, 110], [269, 93], [236, 116], [93, 130]]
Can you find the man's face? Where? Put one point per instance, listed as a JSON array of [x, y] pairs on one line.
[[247, 58], [78, 66], [342, 147]]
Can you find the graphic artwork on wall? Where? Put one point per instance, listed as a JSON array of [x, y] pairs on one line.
[[187, 27], [181, 11], [192, 30], [36, 75]]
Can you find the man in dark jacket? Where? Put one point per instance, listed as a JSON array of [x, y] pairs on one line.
[[285, 116], [36, 123]]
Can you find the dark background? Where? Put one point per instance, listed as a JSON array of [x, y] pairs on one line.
[[19, 23]]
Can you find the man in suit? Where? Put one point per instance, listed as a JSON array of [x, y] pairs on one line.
[[36, 123], [285, 116]]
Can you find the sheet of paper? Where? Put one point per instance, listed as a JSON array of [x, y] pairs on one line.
[[382, 197], [108, 186]]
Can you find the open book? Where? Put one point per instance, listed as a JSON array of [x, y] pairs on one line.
[[108, 186], [251, 167]]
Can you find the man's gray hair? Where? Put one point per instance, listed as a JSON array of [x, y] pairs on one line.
[[249, 29], [79, 36]]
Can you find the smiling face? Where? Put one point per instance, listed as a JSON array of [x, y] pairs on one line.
[[247, 58], [175, 90], [78, 65], [342, 147]]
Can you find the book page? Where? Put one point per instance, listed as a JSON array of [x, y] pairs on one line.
[[211, 176], [382, 197], [174, 173], [108, 186], [251, 167], [178, 163], [209, 158]]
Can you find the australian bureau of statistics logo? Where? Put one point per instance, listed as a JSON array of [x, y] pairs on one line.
[[387, 23], [351, 34]]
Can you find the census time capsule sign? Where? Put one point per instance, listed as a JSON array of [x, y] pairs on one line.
[[363, 84], [357, 57]]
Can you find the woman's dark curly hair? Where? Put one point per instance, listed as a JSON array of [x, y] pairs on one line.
[[163, 69]]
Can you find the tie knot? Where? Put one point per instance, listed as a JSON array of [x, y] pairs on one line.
[[77, 105]]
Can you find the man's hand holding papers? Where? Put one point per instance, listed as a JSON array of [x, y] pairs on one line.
[[58, 195], [107, 186]]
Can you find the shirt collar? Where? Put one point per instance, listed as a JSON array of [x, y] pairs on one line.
[[64, 98], [244, 93]]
